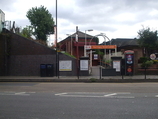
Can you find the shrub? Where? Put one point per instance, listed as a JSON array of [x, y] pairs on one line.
[[143, 59], [93, 79], [155, 61], [147, 63]]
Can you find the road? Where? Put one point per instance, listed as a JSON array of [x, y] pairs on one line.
[[78, 100]]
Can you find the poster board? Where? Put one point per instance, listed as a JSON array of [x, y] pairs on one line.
[[65, 65], [83, 65], [116, 65], [95, 56]]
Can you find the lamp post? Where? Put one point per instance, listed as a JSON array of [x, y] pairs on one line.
[[91, 52], [104, 36], [57, 54], [85, 54], [77, 52]]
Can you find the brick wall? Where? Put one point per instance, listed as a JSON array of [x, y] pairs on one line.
[[2, 55], [25, 56]]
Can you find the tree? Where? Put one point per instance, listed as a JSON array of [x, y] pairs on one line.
[[41, 21], [148, 40], [96, 39], [27, 32]]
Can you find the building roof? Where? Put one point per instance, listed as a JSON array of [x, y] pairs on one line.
[[121, 42], [81, 35]]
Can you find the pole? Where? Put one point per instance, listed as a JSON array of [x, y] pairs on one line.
[[85, 44], [100, 69], [85, 48], [105, 49], [145, 72], [57, 54], [91, 60], [110, 52], [77, 52], [71, 45]]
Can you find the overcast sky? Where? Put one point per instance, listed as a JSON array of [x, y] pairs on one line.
[[115, 18]]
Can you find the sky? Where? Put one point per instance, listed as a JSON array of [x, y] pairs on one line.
[[115, 18]]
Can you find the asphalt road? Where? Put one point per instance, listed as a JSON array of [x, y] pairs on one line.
[[78, 100]]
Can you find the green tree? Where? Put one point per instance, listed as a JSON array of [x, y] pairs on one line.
[[41, 21], [96, 39], [147, 39], [27, 32]]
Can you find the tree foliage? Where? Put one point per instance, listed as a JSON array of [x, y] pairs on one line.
[[27, 32], [96, 39], [41, 21], [148, 40]]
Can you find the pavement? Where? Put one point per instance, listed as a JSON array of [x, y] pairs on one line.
[[94, 77], [121, 79]]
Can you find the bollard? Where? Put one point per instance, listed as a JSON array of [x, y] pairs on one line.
[[145, 72]]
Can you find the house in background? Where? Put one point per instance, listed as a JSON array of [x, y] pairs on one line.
[[70, 44], [123, 44], [2, 20], [128, 44]]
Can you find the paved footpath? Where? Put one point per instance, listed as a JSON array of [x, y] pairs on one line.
[[135, 78]]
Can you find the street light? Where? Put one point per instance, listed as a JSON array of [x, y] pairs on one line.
[[104, 35], [85, 54]]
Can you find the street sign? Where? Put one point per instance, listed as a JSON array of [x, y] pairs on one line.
[[100, 46], [152, 56], [88, 47]]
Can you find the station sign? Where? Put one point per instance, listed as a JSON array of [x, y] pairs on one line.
[[101, 46]]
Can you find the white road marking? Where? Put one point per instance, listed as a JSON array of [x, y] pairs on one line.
[[61, 94], [128, 97], [15, 93], [81, 96], [19, 93], [123, 93], [108, 95], [156, 96], [22, 93]]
